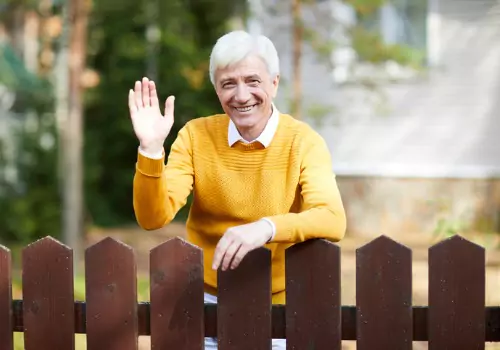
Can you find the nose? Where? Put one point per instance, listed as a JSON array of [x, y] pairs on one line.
[[242, 93]]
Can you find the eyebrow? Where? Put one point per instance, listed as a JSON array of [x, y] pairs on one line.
[[253, 76]]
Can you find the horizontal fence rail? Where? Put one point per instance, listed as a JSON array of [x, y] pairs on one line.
[[244, 318], [348, 322]]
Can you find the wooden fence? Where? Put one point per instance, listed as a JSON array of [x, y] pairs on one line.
[[177, 318]]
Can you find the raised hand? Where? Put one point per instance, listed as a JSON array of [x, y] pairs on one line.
[[150, 126]]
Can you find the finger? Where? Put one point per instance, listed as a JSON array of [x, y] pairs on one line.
[[220, 250], [153, 95], [131, 103], [138, 94], [145, 92], [169, 106], [230, 253], [238, 257]]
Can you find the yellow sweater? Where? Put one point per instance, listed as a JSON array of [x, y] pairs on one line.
[[291, 182]]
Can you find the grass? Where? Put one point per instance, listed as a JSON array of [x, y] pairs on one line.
[[79, 292]]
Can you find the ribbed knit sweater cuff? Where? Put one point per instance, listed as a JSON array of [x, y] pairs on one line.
[[150, 167]]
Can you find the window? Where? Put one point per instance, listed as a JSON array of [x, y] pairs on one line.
[[400, 22]]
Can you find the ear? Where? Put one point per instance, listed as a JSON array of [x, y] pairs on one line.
[[275, 84]]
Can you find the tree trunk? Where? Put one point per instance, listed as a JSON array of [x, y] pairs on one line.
[[297, 58], [72, 145], [153, 37]]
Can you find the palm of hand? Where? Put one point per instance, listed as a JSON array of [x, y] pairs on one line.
[[150, 126]]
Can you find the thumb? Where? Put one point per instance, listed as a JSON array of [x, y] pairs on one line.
[[169, 106]]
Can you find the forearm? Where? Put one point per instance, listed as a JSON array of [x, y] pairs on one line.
[[161, 190], [319, 222], [321, 213], [152, 206]]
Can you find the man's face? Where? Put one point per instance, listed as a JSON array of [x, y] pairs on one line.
[[246, 92]]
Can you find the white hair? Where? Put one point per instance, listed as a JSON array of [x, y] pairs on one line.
[[236, 45]]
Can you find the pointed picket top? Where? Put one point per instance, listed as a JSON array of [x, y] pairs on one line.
[[47, 287], [108, 244], [48, 242], [320, 245], [456, 242], [4, 250], [175, 243], [383, 295], [456, 294], [383, 243], [111, 291], [5, 256]]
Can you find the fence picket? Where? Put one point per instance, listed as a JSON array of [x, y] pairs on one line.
[[244, 303], [111, 293], [313, 317], [456, 295], [6, 338], [384, 295], [176, 282], [313, 296], [48, 311]]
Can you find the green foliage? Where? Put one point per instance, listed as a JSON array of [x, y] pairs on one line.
[[365, 7], [30, 207], [370, 47], [119, 53]]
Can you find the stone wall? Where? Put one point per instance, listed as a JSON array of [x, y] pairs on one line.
[[399, 207]]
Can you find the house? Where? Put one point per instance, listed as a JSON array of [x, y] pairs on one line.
[[430, 163]]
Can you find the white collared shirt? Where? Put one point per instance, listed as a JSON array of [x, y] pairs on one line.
[[264, 138]]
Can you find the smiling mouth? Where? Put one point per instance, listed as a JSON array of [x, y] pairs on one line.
[[245, 109]]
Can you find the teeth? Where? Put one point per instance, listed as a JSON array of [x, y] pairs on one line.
[[244, 109]]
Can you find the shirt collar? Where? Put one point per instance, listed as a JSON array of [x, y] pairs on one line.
[[264, 138]]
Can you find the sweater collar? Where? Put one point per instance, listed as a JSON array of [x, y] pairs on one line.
[[264, 138]]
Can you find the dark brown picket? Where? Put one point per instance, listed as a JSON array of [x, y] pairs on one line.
[[456, 295], [313, 296], [244, 304], [6, 337], [176, 282], [111, 293], [48, 311], [384, 295]]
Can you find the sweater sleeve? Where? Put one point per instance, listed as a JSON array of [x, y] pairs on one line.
[[160, 190], [322, 212]]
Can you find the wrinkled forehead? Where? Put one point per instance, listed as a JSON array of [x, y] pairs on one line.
[[248, 68]]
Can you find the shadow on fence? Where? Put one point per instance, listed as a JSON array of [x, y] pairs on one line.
[[313, 318]]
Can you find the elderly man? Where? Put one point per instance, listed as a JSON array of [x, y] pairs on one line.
[[260, 177]]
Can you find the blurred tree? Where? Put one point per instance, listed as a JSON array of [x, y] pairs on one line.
[[30, 205], [29, 202], [118, 50]]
